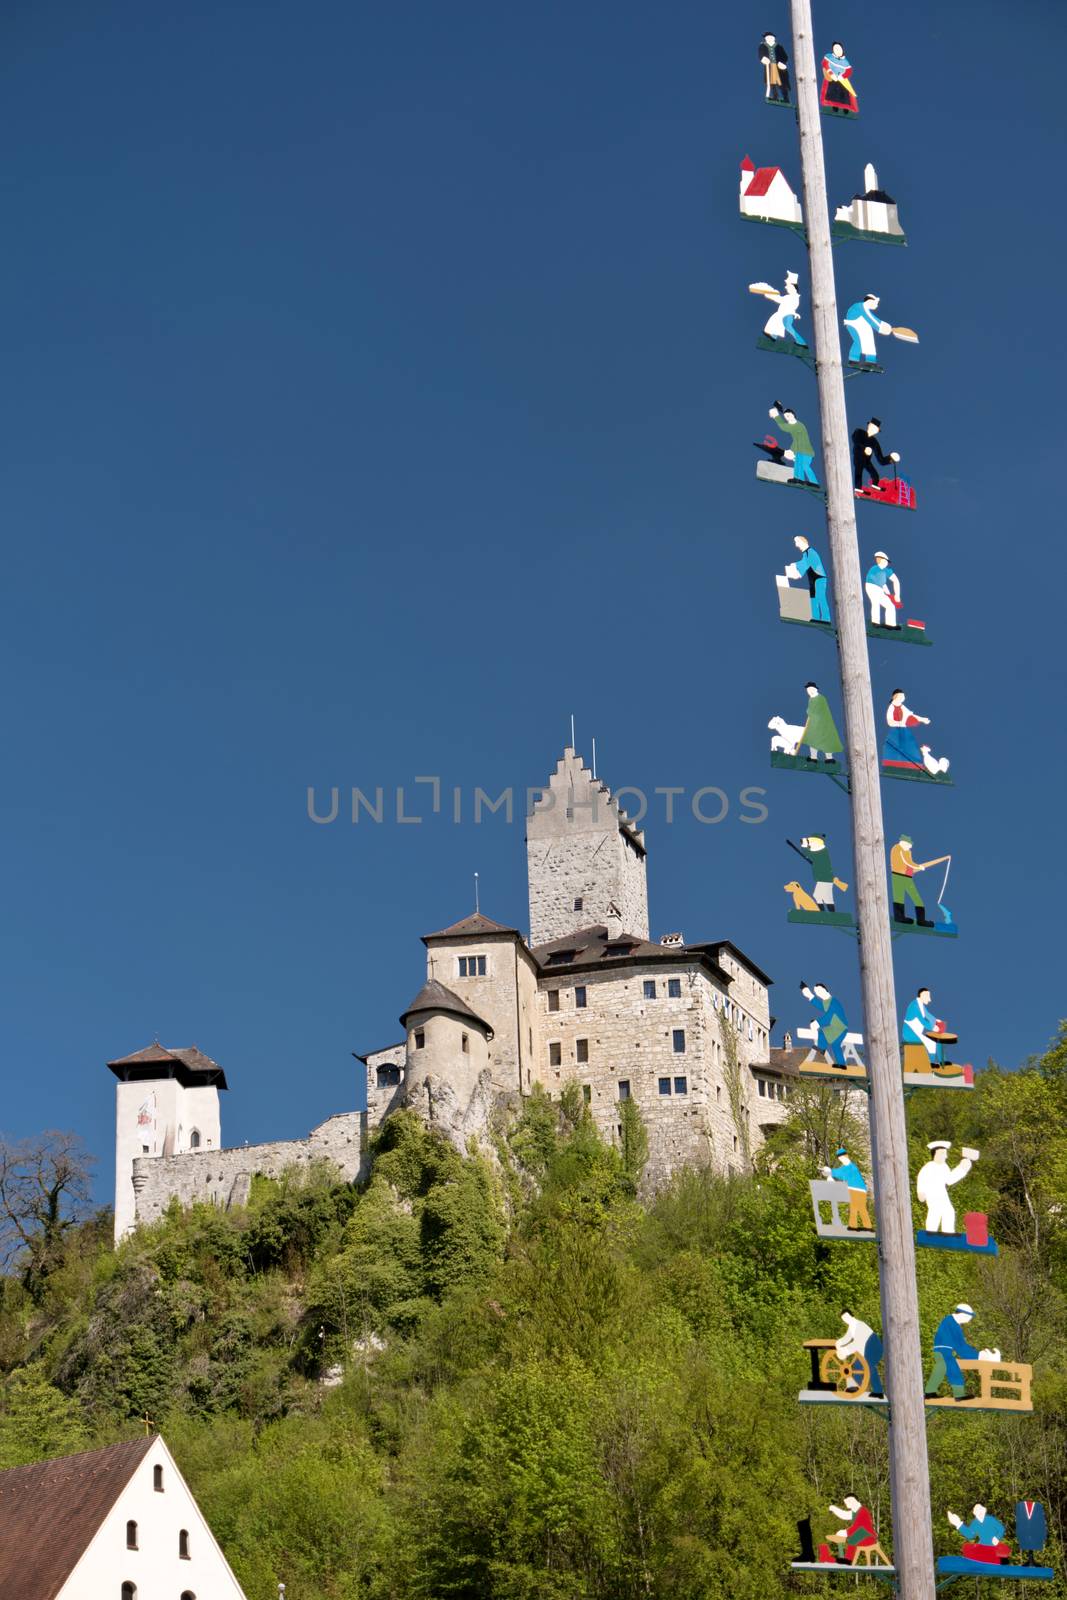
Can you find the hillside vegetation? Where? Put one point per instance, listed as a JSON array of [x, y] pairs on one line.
[[513, 1379]]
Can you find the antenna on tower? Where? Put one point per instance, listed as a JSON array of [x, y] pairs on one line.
[[594, 758], [477, 901], [572, 730]]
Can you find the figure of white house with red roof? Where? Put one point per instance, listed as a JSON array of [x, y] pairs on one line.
[[766, 196]]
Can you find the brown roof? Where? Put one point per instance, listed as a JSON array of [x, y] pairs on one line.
[[593, 948], [433, 996], [474, 924], [728, 944], [786, 1062], [154, 1061], [49, 1513]]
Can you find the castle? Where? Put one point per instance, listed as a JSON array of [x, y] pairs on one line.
[[682, 1030]]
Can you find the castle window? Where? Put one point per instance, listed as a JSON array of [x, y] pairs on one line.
[[762, 1088], [581, 1049], [183, 1544], [650, 988], [559, 958], [420, 1039], [472, 966], [674, 988], [555, 1054], [157, 1479], [579, 903], [194, 1139], [681, 1085], [735, 1141], [624, 1089], [465, 1043], [129, 1591], [718, 1091], [388, 1076], [587, 1093], [553, 999], [678, 1041], [579, 998], [664, 1086], [144, 1149], [131, 1536]]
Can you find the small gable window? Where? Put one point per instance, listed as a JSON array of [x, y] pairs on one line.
[[129, 1591], [183, 1544], [131, 1536], [157, 1479]]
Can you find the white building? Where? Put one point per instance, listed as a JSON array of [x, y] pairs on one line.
[[166, 1103], [113, 1524], [766, 195]]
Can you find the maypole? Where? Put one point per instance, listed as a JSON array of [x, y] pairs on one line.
[[908, 1465], [845, 1370]]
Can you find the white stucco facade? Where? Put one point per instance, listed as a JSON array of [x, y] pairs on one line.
[[156, 1568]]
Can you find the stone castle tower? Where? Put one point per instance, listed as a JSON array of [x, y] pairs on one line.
[[585, 859]]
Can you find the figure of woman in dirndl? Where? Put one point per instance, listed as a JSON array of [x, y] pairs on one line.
[[838, 93]]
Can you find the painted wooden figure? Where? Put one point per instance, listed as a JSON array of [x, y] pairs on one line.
[[863, 322], [902, 754], [780, 332], [818, 905], [935, 1178], [870, 484], [926, 1039], [775, 65], [767, 196], [818, 733], [872, 215], [838, 94], [986, 1551]]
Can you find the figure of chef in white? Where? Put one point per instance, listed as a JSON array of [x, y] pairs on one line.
[[862, 324], [781, 324], [936, 1178]]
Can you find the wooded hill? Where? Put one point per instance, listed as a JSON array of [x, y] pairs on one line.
[[513, 1379]]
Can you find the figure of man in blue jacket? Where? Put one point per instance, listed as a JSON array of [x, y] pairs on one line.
[[950, 1347]]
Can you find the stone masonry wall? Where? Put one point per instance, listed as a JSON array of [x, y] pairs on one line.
[[579, 847], [224, 1177], [630, 1040]]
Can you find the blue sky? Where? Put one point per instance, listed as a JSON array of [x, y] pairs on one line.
[[380, 389]]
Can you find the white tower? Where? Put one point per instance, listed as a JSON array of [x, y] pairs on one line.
[[166, 1103]]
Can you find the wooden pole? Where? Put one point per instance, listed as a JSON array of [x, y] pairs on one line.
[[908, 1464]]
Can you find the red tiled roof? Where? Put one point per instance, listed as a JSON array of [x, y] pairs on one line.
[[50, 1511], [761, 182]]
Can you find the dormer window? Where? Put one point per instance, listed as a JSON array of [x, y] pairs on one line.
[[559, 958], [471, 966], [618, 947]]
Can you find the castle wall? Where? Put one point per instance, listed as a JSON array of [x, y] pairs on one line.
[[579, 849], [156, 1119], [630, 1040], [224, 1177], [442, 1055]]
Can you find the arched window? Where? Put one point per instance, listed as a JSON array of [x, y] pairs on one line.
[[129, 1591], [187, 1594], [183, 1544], [131, 1536], [194, 1139], [157, 1479]]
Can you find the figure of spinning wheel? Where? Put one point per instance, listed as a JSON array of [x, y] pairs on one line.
[[846, 1374]]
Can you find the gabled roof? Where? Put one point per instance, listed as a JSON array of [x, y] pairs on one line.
[[190, 1065], [746, 961], [760, 184], [475, 925], [433, 996], [50, 1512]]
